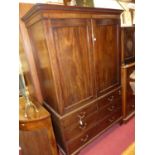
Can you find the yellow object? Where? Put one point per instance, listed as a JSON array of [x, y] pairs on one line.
[[126, 19], [130, 150]]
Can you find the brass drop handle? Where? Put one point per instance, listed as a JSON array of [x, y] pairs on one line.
[[119, 92], [85, 138], [111, 108], [111, 98], [82, 115], [82, 124], [110, 120]]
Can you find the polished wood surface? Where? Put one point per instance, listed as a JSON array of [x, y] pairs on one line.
[[46, 8], [42, 59], [128, 44], [77, 52], [106, 53], [110, 98], [27, 59], [128, 97], [74, 60], [128, 66], [89, 134], [36, 136]]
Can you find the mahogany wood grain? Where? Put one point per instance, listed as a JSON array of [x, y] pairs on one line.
[[31, 75], [36, 132], [106, 52], [109, 98], [128, 44], [46, 10], [40, 53], [81, 113], [80, 126], [87, 135], [128, 98], [74, 60], [77, 56]]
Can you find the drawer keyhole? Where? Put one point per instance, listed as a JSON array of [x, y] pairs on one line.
[[111, 108], [111, 98]]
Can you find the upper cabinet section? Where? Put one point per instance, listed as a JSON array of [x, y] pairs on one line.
[[77, 53]]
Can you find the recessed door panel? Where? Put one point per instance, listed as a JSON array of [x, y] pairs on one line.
[[72, 44], [107, 57]]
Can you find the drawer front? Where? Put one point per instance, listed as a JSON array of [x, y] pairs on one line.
[[83, 139], [81, 126], [79, 115], [104, 123], [110, 98], [110, 109], [90, 133], [84, 123]]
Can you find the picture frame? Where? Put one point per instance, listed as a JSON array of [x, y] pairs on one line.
[[128, 1], [85, 3], [58, 2], [82, 3]]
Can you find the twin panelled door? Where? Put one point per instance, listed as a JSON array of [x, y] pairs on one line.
[[87, 56]]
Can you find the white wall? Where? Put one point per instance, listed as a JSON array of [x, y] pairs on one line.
[[107, 4]]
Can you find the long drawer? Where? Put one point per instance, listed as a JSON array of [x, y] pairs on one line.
[[81, 140], [77, 128], [78, 115], [90, 133]]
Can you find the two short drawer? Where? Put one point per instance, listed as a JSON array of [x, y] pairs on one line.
[[113, 97]]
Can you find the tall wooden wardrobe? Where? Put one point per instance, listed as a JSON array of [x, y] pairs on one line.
[[78, 60]]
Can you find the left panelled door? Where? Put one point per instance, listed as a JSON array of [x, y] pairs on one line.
[[72, 40]]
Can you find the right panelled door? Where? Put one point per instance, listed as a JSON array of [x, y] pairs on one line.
[[106, 43]]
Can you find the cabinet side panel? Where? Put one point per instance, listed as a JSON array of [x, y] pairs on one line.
[[27, 60], [41, 55]]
